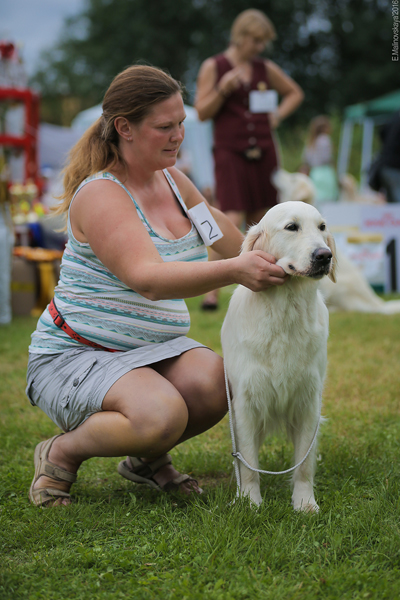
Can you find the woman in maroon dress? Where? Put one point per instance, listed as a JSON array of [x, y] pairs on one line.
[[238, 90]]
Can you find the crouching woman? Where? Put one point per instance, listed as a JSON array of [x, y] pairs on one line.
[[109, 361]]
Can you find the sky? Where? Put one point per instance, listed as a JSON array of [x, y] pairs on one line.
[[35, 25]]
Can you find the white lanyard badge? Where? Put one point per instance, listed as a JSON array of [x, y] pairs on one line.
[[263, 101]]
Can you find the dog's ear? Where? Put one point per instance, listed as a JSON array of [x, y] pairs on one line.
[[332, 247], [256, 239]]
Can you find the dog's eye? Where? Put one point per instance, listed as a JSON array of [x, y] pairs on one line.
[[322, 227], [292, 227]]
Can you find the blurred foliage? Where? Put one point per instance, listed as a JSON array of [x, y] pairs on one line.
[[339, 51]]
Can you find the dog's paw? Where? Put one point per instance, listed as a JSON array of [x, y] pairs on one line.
[[254, 505], [254, 498], [308, 507]]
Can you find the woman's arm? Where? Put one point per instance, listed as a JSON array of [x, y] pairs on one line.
[[209, 96], [291, 92], [104, 216]]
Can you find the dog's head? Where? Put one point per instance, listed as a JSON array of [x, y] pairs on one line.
[[293, 186], [297, 235]]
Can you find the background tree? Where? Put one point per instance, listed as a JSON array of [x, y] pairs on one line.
[[339, 51]]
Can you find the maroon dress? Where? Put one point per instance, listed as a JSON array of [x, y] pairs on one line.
[[243, 184]]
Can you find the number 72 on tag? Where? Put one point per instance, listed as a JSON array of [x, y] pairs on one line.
[[205, 223]]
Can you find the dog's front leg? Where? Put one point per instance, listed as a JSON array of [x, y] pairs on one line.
[[303, 477], [248, 439]]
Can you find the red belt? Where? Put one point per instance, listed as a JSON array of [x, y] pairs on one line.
[[59, 322]]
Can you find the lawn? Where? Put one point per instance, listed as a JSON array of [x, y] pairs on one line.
[[123, 541]]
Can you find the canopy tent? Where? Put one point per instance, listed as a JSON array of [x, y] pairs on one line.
[[384, 105], [368, 114]]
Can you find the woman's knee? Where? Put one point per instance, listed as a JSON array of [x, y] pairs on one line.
[[160, 428], [157, 419], [210, 387]]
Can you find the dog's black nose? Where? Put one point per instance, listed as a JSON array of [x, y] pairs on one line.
[[322, 256]]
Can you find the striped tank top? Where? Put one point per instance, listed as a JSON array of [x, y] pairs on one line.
[[101, 308]]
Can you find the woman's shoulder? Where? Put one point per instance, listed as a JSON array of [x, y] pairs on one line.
[[271, 66], [97, 177], [213, 62], [101, 184], [178, 178]]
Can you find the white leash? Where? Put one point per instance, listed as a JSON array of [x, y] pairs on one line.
[[237, 455]]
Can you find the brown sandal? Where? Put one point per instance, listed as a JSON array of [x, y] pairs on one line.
[[141, 472], [43, 496]]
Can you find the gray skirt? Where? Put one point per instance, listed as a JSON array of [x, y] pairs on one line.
[[70, 386]]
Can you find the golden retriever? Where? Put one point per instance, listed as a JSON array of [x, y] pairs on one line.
[[275, 345]]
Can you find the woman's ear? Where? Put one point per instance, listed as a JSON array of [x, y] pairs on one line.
[[123, 128], [332, 247]]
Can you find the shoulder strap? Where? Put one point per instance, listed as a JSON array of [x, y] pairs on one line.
[[175, 189], [106, 175]]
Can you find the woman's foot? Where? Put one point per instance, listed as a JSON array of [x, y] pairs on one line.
[[158, 473], [53, 477], [168, 473]]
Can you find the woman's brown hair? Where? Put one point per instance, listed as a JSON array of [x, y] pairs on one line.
[[132, 94]]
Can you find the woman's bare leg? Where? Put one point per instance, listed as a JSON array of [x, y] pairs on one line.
[[198, 375], [147, 412]]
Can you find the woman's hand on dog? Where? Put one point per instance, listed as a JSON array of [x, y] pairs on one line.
[[257, 271]]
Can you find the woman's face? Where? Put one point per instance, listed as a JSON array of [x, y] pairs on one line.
[[156, 140], [251, 45]]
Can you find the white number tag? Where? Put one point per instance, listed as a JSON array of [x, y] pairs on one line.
[[205, 223], [265, 101]]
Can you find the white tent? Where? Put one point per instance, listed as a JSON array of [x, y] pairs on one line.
[[55, 142]]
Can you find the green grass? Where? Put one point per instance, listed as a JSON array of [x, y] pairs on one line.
[[121, 541]]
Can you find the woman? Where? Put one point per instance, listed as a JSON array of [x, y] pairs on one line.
[[318, 160], [228, 88], [141, 387]]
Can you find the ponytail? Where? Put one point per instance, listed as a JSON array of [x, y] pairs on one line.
[[94, 152]]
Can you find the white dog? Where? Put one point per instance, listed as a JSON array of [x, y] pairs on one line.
[[293, 186], [299, 186], [275, 345]]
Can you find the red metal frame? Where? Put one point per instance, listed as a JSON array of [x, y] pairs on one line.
[[28, 141]]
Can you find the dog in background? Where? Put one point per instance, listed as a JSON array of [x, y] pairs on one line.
[[295, 187], [299, 186], [352, 291], [275, 345], [349, 192]]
